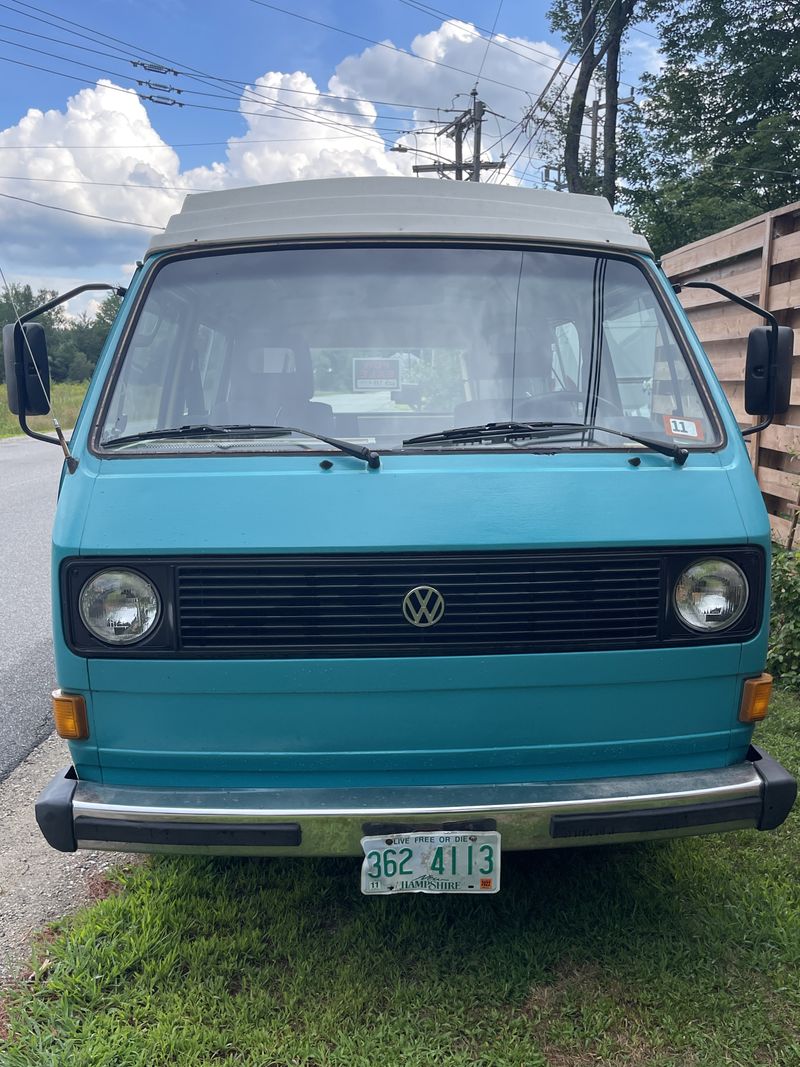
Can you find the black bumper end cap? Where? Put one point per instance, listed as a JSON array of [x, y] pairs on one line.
[[779, 788], [54, 810]]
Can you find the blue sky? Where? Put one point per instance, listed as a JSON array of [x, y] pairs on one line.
[[119, 162]]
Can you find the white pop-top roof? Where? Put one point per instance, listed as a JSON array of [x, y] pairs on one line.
[[392, 207]]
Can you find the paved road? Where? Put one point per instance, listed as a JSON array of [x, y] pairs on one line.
[[29, 472]]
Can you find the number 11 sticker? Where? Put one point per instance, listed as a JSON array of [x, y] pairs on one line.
[[680, 427]]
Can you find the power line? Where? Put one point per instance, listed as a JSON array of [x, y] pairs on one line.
[[382, 44], [470, 119], [435, 12], [540, 99], [567, 80], [362, 131], [275, 88], [543, 94], [197, 92], [478, 31], [288, 110], [284, 110], [157, 188], [83, 214], [646, 33], [176, 144], [191, 92], [488, 43], [109, 185]]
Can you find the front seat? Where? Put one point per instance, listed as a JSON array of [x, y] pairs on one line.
[[280, 399]]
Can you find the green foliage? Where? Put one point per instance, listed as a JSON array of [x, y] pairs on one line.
[[784, 645], [73, 344], [716, 138], [67, 399]]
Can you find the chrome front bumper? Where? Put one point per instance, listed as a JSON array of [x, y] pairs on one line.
[[757, 793]]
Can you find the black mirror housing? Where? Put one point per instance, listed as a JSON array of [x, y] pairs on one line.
[[768, 376], [27, 368]]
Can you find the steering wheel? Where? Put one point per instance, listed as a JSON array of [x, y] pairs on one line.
[[571, 395]]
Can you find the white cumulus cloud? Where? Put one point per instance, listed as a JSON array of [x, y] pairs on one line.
[[102, 156]]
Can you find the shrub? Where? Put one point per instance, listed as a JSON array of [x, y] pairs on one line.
[[783, 659]]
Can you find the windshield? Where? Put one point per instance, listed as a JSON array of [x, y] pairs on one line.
[[377, 345]]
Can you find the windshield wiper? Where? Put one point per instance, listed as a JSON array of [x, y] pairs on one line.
[[509, 431], [201, 429]]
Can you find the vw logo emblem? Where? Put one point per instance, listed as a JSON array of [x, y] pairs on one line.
[[423, 606]]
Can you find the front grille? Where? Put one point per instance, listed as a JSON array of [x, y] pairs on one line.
[[311, 606]]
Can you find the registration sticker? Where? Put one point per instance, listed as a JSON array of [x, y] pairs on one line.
[[431, 861], [683, 427]]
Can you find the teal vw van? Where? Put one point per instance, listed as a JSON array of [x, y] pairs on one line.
[[406, 520]]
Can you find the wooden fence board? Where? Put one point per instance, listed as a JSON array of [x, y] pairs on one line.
[[728, 368], [779, 483], [781, 529], [786, 248], [785, 295], [713, 250], [721, 325], [744, 283], [781, 438], [744, 259]]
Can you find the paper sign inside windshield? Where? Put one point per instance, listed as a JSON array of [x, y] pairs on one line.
[[375, 374]]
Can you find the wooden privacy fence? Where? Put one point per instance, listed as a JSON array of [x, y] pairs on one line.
[[760, 260]]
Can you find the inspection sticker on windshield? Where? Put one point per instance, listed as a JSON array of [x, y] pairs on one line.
[[681, 427], [431, 861]]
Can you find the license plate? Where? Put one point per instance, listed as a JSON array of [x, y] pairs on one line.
[[431, 862]]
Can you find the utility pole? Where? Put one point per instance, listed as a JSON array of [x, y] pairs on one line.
[[595, 126], [470, 119], [552, 175], [478, 109], [597, 107]]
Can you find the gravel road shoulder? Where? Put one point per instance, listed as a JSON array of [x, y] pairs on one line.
[[38, 884]]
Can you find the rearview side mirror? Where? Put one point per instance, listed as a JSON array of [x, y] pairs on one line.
[[27, 368], [768, 375]]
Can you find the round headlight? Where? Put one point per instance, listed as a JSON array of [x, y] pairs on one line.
[[710, 595], [119, 607]]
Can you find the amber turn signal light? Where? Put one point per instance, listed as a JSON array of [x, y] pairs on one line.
[[69, 712], [755, 698]]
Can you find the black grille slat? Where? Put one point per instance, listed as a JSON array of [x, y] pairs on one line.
[[319, 620], [350, 604]]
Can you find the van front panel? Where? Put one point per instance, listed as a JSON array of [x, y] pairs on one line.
[[473, 719]]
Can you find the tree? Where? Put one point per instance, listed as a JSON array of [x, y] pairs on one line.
[[73, 344], [717, 136], [599, 26], [106, 313]]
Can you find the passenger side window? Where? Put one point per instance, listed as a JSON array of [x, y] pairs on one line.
[[141, 391], [632, 340], [651, 373]]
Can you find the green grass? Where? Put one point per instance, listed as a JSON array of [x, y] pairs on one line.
[[66, 397], [684, 954]]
